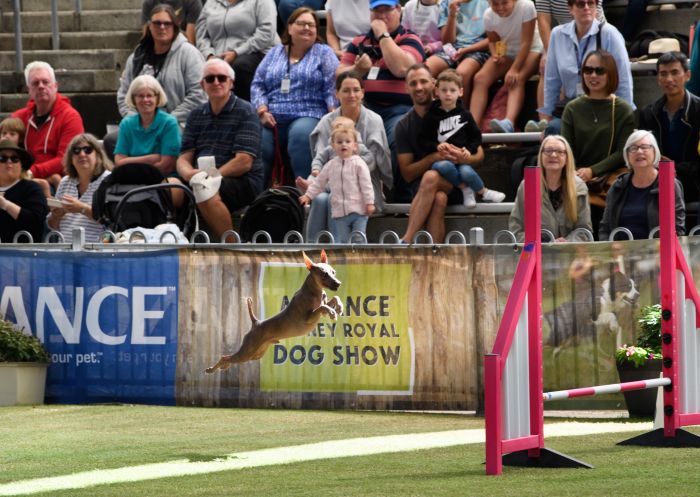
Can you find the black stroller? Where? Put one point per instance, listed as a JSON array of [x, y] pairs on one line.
[[135, 195]]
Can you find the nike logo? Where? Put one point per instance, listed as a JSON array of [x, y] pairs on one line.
[[448, 127]]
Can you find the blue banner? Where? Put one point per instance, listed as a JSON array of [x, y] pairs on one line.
[[109, 321]]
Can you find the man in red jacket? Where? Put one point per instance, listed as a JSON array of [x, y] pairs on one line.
[[50, 119]]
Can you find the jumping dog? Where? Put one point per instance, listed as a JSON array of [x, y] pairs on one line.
[[298, 318]]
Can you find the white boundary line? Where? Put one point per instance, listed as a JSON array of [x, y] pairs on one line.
[[297, 453]]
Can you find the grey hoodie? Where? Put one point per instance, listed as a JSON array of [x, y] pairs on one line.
[[180, 78]]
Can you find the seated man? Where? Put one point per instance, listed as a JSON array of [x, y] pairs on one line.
[[227, 129], [674, 120], [382, 56], [50, 120], [415, 162]]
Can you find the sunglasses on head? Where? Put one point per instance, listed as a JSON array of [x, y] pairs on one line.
[[590, 70], [13, 159], [87, 149], [221, 78]]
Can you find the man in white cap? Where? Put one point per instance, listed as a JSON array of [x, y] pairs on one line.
[[223, 133]]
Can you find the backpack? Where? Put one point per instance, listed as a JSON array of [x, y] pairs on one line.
[[277, 211], [640, 45]]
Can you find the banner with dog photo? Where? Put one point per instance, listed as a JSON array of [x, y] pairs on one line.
[[368, 349]]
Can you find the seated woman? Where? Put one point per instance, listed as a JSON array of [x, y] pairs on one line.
[[292, 90], [633, 200], [564, 195], [349, 92], [151, 136], [239, 32], [22, 203], [344, 21], [86, 165]]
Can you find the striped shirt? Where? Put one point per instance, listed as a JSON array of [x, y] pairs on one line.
[[69, 186], [235, 129], [386, 89], [311, 83]]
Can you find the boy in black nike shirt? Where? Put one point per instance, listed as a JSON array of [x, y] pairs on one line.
[[447, 122]]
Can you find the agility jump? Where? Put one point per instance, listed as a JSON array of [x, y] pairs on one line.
[[514, 400]]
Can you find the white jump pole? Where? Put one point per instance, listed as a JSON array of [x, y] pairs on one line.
[[603, 389]]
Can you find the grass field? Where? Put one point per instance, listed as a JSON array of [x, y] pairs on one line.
[[56, 440]]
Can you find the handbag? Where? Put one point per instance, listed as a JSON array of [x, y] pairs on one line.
[[598, 187], [281, 173]]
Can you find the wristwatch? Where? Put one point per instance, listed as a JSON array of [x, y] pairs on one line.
[[385, 34]]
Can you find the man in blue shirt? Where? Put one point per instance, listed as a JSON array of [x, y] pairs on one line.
[[225, 131]]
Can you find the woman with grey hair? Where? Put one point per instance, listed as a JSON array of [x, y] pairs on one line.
[[151, 136], [633, 200], [86, 165]]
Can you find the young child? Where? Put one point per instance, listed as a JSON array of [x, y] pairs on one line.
[[448, 123], [421, 17], [352, 199], [516, 48], [12, 129], [465, 47], [322, 157]]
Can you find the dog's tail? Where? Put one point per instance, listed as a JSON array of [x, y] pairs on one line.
[[250, 311]]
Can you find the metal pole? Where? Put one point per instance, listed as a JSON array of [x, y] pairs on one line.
[[78, 6], [54, 25], [19, 56]]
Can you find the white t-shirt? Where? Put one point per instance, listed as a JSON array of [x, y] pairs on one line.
[[510, 28], [350, 19], [423, 20]]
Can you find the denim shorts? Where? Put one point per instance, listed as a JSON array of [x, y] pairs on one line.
[[480, 57]]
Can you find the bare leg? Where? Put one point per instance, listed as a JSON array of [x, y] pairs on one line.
[[436, 221], [436, 65], [516, 95], [489, 73], [216, 214], [467, 69]]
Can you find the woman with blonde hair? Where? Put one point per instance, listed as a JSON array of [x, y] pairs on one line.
[[564, 195], [151, 136], [85, 165]]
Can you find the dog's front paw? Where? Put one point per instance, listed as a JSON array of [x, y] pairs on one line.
[[210, 370], [332, 314], [336, 305]]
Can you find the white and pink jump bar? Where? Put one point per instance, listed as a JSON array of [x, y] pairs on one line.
[[513, 397]]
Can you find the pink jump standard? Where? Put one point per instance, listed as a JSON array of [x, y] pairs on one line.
[[514, 402]]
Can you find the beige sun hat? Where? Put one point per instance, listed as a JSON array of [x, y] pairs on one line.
[[659, 47]]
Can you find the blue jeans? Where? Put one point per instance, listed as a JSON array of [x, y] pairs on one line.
[[341, 227], [554, 127], [465, 174], [319, 216], [391, 115], [294, 138], [286, 7]]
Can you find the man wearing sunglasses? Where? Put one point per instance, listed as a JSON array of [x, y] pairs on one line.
[[674, 120], [226, 131], [568, 46], [50, 120]]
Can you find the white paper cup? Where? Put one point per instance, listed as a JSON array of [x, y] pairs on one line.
[[205, 162]]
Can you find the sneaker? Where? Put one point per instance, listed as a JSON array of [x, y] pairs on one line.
[[469, 198], [493, 196], [543, 124], [501, 126], [532, 127]]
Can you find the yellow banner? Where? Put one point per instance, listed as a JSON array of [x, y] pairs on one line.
[[368, 350]]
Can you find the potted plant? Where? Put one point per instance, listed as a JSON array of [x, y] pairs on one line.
[[23, 364], [642, 361]]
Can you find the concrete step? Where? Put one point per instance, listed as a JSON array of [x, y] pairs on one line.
[[45, 5], [70, 59], [91, 80], [73, 41], [88, 20]]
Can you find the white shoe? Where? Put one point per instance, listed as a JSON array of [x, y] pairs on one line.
[[493, 196], [469, 198]]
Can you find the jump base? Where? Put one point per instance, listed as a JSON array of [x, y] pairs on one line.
[[548, 458], [656, 438]]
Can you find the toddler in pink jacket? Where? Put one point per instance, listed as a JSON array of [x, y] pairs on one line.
[[352, 196]]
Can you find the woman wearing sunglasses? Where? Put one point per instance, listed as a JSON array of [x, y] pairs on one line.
[[85, 165], [564, 195], [596, 126], [22, 203], [633, 200], [292, 89]]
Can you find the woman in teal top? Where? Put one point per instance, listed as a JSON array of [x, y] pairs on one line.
[[151, 136]]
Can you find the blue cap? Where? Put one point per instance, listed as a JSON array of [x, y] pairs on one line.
[[373, 4]]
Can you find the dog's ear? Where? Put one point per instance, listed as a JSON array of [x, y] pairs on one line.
[[309, 263], [324, 259]]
